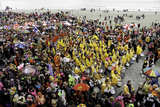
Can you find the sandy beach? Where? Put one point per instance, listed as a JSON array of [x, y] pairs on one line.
[[150, 16]]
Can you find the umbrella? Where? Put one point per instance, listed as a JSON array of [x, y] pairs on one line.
[[29, 69], [151, 73], [20, 67], [20, 45], [81, 87]]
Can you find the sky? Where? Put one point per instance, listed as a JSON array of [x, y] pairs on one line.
[[70, 4]]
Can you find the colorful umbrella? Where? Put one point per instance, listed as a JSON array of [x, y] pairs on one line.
[[81, 87], [20, 45], [29, 69], [151, 73]]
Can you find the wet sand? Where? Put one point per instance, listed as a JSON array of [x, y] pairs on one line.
[[150, 16]]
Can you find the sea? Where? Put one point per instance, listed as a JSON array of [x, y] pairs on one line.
[[145, 5]]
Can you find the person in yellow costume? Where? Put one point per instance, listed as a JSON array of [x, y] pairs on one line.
[[103, 87], [126, 47], [128, 58], [94, 56], [118, 68], [96, 48], [94, 44], [119, 46], [100, 43], [114, 58], [106, 54], [87, 52], [147, 39], [61, 43], [83, 57], [77, 62], [138, 52], [82, 68], [67, 55], [109, 43], [110, 62], [103, 58], [81, 46], [76, 70], [126, 90], [117, 54], [97, 68], [97, 55], [124, 60], [87, 62], [108, 83], [131, 53], [100, 50], [93, 68], [91, 61], [73, 53], [106, 64], [80, 55], [114, 78], [95, 37]]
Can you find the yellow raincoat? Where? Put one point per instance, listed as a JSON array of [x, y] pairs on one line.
[[147, 39], [114, 78], [118, 69], [109, 43], [126, 47], [103, 87], [88, 63], [114, 58], [76, 70], [126, 90], [124, 60], [128, 57], [139, 50], [82, 68]]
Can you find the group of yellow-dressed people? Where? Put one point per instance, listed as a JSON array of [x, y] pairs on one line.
[[93, 55]]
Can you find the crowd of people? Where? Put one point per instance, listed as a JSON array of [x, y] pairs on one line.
[[43, 56]]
